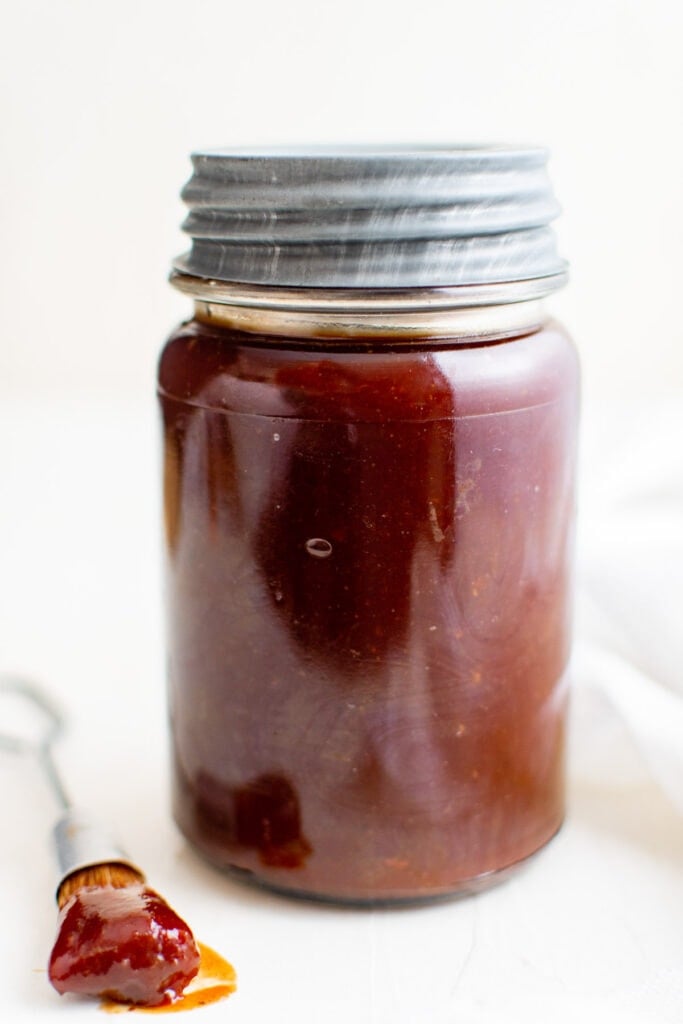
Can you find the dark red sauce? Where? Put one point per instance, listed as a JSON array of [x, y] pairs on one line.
[[215, 980], [368, 566], [126, 944]]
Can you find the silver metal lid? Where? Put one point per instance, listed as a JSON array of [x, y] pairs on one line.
[[372, 218]]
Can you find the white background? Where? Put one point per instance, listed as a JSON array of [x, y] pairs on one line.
[[102, 102], [100, 105]]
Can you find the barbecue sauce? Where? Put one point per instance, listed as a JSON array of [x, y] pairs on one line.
[[123, 943], [368, 554]]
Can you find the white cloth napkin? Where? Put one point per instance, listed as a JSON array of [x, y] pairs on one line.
[[630, 591]]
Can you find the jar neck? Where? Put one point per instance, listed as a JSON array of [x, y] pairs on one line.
[[467, 313]]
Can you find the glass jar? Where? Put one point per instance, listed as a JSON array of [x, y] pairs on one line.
[[369, 496]]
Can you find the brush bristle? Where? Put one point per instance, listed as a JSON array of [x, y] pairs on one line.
[[116, 876]]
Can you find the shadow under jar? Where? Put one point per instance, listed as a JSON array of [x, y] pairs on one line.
[[369, 437]]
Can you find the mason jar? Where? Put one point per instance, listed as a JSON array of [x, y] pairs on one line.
[[369, 446]]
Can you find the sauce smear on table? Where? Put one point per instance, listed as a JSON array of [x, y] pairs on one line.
[[216, 980]]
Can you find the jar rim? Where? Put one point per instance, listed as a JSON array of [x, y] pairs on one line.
[[336, 316], [359, 300]]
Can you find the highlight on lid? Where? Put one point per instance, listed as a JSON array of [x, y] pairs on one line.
[[380, 217]]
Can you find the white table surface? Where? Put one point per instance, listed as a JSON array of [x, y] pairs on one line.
[[591, 931]]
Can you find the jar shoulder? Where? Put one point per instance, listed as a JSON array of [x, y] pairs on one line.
[[227, 370]]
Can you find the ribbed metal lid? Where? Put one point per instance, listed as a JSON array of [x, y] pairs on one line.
[[372, 218]]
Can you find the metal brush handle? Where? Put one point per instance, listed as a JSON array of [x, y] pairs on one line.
[[79, 841]]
